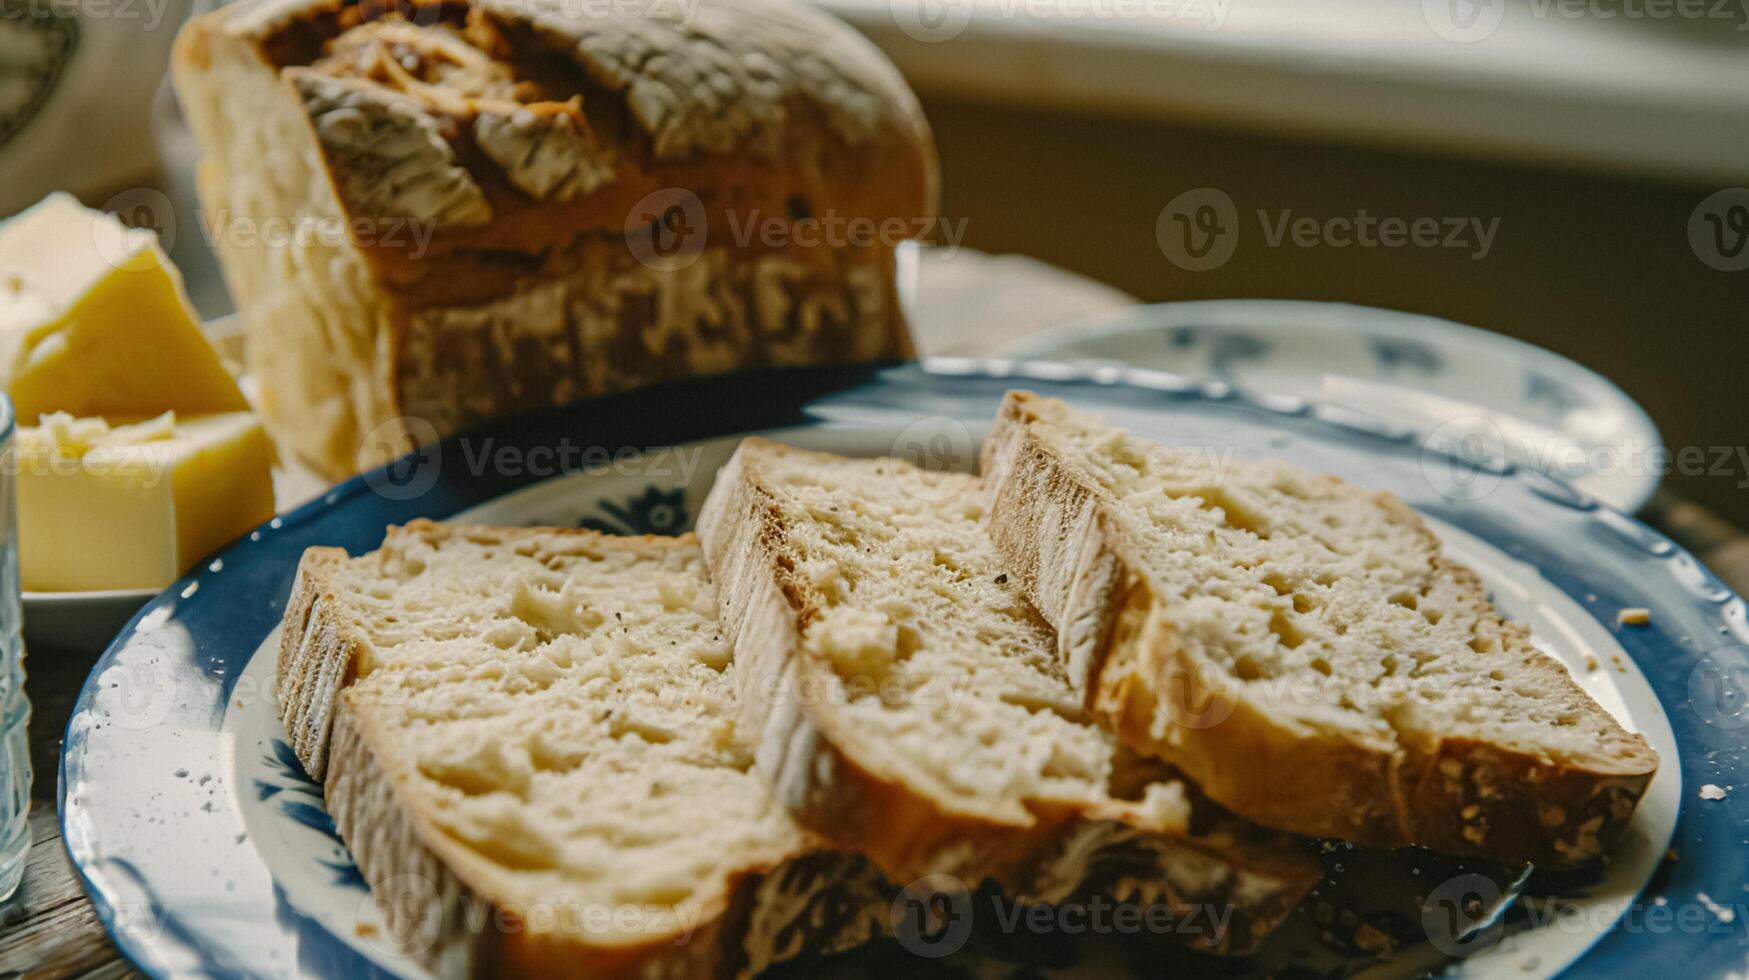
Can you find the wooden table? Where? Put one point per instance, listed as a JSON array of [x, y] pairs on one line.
[[48, 930]]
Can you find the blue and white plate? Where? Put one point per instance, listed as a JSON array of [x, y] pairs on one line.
[[1467, 386], [207, 851]]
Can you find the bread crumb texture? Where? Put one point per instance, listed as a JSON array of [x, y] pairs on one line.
[[559, 704], [1333, 603], [947, 678]]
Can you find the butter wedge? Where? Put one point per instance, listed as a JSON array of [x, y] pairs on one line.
[[134, 506], [94, 321]]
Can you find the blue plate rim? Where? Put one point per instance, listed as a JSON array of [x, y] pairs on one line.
[[809, 389]]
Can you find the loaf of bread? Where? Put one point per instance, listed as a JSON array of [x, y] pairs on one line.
[[438, 212], [903, 700], [1301, 648], [534, 727]]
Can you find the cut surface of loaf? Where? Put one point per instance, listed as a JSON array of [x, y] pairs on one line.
[[1301, 647], [540, 722], [504, 205], [905, 700]]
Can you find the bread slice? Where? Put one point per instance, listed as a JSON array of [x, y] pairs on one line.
[[905, 701], [1301, 648], [526, 738]]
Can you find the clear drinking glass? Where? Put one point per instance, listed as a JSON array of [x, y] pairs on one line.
[[14, 710]]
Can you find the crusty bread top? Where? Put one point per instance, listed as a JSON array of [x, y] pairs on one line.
[[555, 708], [1333, 604], [713, 77], [939, 676], [511, 126]]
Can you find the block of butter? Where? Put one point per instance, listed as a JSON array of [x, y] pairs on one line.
[[94, 321], [134, 506]]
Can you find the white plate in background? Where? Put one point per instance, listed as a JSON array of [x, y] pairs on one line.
[[1481, 393]]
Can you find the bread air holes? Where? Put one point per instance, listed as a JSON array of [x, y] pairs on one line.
[[550, 616], [621, 724], [508, 635], [1285, 629], [1133, 465], [836, 533], [1232, 513], [555, 752], [948, 561]]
